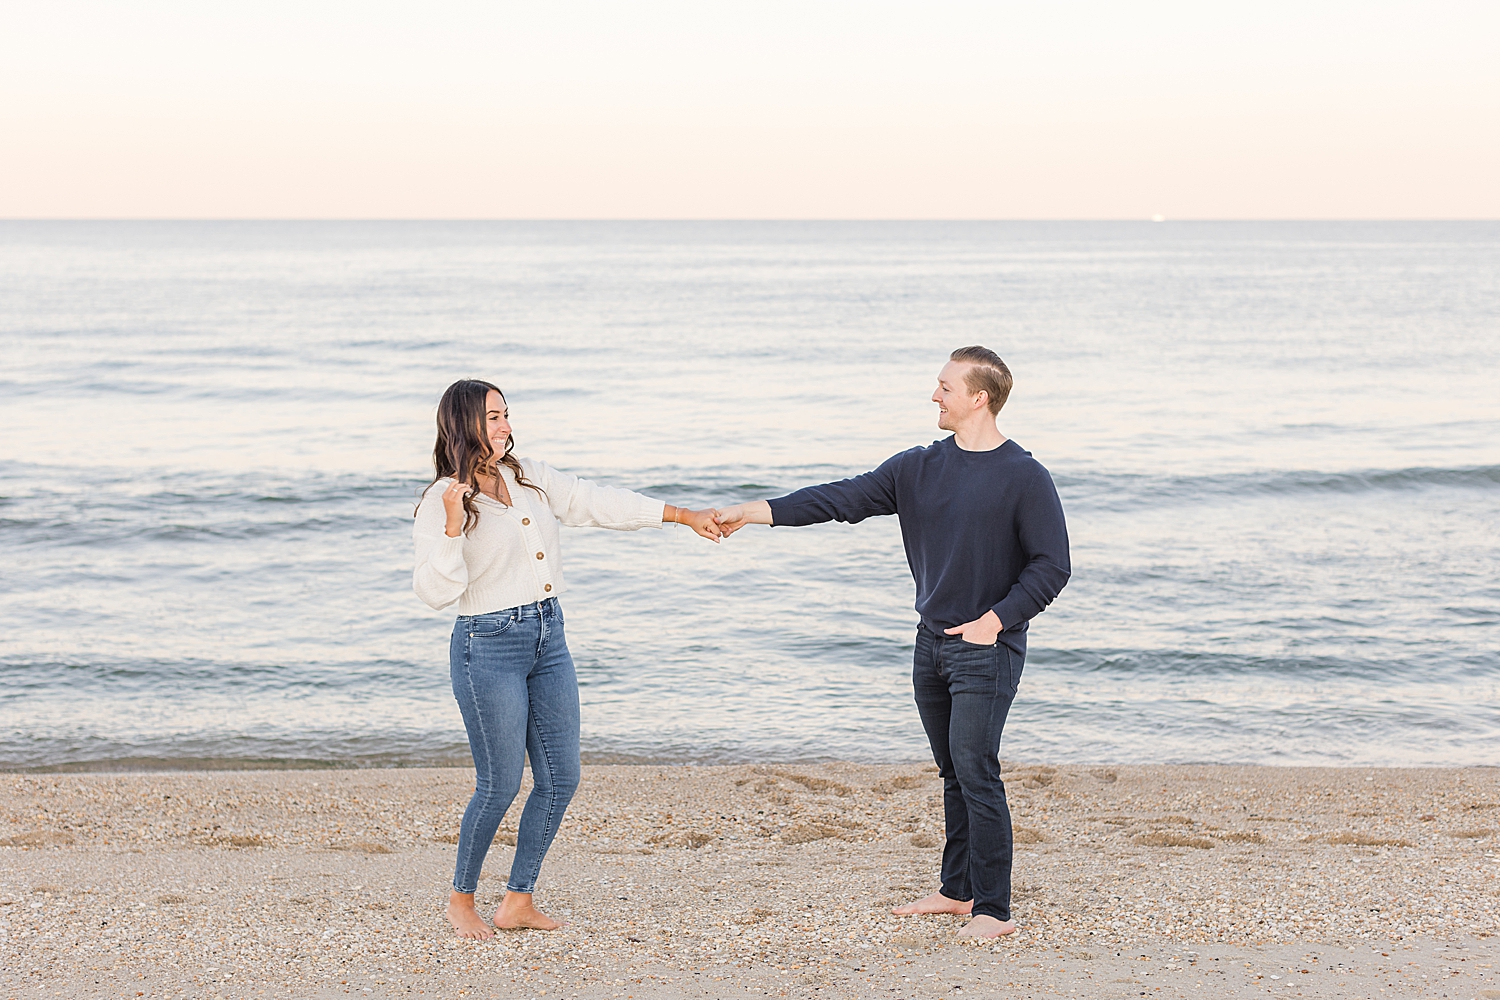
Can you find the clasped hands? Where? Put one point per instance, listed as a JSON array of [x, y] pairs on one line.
[[704, 522], [720, 522]]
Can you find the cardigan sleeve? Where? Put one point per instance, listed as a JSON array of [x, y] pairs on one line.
[[440, 575], [581, 504]]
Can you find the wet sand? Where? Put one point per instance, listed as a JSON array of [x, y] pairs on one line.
[[755, 881]]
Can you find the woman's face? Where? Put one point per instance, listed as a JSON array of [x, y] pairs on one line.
[[496, 421]]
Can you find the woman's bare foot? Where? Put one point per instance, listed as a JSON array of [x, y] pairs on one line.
[[936, 903], [466, 921], [986, 926], [516, 912]]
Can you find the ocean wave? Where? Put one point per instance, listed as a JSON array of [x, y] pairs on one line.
[[1116, 491], [219, 751], [740, 483], [106, 508], [20, 481], [1163, 666], [24, 678]]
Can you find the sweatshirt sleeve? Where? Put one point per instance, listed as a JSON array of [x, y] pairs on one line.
[[581, 504], [440, 575], [850, 500], [1043, 534]]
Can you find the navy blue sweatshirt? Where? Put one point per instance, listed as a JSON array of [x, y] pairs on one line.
[[983, 530]]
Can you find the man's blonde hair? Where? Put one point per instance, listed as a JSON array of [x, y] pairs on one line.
[[986, 373]]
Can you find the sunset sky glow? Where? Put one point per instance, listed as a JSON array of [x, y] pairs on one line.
[[773, 110]]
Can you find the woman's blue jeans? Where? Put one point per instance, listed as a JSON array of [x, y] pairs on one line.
[[515, 686]]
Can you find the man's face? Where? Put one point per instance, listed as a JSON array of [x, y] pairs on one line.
[[956, 404]]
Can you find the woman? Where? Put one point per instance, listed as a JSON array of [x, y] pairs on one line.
[[487, 539]]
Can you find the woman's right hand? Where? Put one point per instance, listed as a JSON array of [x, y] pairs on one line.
[[453, 505], [702, 521]]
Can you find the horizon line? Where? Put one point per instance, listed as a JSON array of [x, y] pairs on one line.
[[1159, 220]]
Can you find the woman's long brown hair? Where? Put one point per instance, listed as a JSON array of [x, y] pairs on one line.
[[463, 447]]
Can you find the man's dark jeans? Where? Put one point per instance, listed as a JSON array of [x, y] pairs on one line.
[[963, 694]]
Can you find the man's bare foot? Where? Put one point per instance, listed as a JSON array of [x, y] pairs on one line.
[[466, 921], [936, 903], [516, 911], [986, 926]]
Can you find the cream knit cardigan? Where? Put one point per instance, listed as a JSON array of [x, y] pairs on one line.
[[512, 557]]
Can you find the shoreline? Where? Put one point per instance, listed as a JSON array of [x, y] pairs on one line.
[[775, 878], [236, 765]]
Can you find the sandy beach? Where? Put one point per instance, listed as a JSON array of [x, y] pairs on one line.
[[755, 881]]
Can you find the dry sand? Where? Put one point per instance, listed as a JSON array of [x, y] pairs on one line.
[[755, 881]]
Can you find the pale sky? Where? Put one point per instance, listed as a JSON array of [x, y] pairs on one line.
[[828, 110]]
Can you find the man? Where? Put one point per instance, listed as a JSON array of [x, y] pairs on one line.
[[987, 544]]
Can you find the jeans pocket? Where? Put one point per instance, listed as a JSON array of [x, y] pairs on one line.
[[1011, 665], [489, 626]]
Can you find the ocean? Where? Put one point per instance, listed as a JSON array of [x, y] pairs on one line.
[[1278, 446]]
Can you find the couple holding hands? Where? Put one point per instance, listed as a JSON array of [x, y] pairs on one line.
[[984, 535]]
